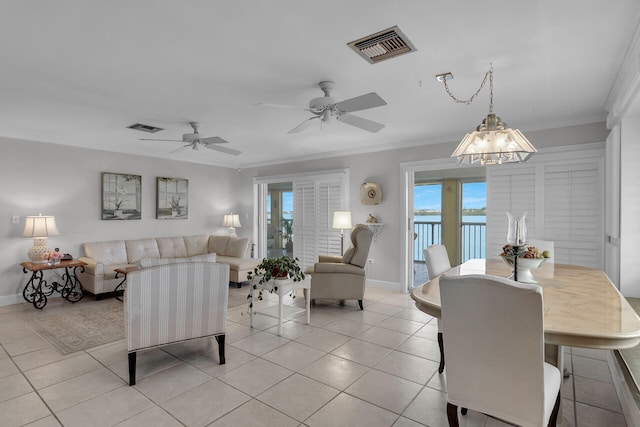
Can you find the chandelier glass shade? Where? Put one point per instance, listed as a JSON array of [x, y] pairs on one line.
[[493, 143]]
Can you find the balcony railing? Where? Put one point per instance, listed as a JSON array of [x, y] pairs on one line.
[[474, 239]]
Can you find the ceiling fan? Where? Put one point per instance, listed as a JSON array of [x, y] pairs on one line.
[[326, 107], [194, 140]]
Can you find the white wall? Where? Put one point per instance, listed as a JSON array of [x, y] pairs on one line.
[[629, 207], [66, 182], [384, 167]]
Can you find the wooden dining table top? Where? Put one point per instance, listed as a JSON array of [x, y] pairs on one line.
[[582, 307]]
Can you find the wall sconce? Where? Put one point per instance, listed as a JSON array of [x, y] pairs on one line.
[[341, 220], [231, 221], [39, 228]]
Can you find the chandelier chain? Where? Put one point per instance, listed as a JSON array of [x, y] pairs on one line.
[[489, 75]]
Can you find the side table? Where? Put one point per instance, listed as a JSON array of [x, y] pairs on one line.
[[37, 289], [281, 287], [122, 285]]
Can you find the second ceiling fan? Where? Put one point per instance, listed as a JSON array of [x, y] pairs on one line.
[[326, 107]]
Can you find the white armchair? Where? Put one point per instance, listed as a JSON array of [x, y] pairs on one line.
[[175, 302], [344, 277]]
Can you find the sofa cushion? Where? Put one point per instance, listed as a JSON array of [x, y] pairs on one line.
[[238, 264], [337, 267], [237, 247], [196, 245], [218, 243], [144, 248], [172, 247], [114, 252], [153, 262]]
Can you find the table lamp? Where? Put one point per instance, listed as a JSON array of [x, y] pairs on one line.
[[39, 228], [341, 220], [231, 221]]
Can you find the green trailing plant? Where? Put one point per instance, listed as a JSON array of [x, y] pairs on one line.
[[272, 269]]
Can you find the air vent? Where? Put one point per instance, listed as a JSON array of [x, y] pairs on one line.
[[144, 128], [383, 45]]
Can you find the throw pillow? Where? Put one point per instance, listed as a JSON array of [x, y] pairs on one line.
[[237, 247], [218, 243]]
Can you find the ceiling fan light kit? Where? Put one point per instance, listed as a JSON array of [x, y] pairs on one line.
[[492, 143], [324, 108]]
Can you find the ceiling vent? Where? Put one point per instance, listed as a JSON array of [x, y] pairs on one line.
[[144, 128], [383, 45]]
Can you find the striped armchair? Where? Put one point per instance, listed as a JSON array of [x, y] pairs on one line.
[[176, 302]]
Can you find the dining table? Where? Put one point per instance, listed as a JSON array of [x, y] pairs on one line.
[[582, 307]]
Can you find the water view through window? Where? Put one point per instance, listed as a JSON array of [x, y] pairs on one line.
[[428, 218]]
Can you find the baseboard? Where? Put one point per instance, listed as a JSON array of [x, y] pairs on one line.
[[11, 299], [622, 382], [392, 286]]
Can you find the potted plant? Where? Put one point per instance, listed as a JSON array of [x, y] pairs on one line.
[[270, 270]]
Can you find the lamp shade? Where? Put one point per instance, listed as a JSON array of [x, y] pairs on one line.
[[341, 219], [40, 226], [231, 220], [492, 143]]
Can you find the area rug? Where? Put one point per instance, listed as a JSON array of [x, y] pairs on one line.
[[81, 326], [88, 324]]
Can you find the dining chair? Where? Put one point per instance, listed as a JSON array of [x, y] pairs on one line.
[[494, 332], [436, 259]]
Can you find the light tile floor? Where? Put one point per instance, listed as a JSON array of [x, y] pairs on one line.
[[376, 367]]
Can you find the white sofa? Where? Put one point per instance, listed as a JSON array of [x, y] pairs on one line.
[[103, 258], [169, 302]]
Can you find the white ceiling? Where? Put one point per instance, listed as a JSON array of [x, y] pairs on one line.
[[77, 72]]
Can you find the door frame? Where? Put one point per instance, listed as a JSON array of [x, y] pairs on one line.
[[408, 169]]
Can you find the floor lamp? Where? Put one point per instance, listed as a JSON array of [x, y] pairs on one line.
[[341, 220]]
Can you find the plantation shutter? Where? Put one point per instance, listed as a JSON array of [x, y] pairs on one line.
[[315, 200], [509, 190], [569, 197], [304, 222], [574, 212]]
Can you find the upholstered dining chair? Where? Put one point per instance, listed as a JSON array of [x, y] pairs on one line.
[[494, 333], [343, 277], [436, 259]]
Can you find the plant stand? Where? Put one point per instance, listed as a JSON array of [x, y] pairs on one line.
[[283, 288]]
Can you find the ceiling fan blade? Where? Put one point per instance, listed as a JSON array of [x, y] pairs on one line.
[[361, 123], [302, 126], [213, 140], [362, 102], [153, 139], [223, 149], [180, 148]]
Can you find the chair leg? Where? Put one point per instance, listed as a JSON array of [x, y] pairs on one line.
[[220, 339], [360, 304], [132, 368], [553, 419], [452, 415], [441, 345]]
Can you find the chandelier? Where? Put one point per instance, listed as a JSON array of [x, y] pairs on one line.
[[492, 143]]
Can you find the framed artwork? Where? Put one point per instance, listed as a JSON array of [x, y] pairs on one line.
[[172, 198], [121, 196]]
